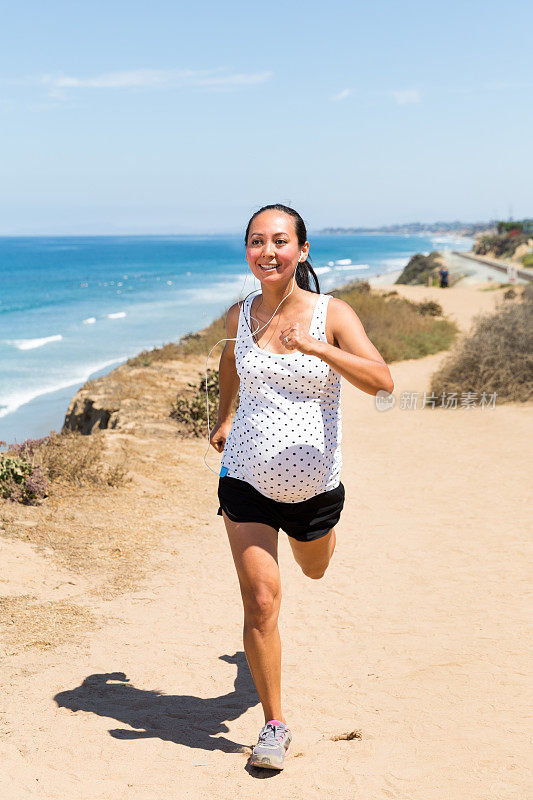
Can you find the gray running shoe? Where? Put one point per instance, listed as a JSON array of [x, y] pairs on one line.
[[274, 741]]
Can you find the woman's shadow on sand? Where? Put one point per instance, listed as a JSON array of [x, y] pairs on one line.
[[180, 718]]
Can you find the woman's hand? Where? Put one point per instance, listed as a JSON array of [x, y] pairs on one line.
[[219, 435], [295, 339]]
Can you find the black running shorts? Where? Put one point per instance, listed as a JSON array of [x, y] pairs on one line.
[[306, 520]]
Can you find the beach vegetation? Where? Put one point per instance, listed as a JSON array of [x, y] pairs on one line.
[[430, 308], [496, 357], [500, 245], [527, 260], [515, 226], [420, 268], [28, 469], [398, 327], [190, 406], [21, 480]]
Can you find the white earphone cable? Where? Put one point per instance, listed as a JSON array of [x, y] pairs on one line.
[[236, 339]]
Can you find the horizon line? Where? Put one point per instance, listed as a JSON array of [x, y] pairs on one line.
[[362, 228]]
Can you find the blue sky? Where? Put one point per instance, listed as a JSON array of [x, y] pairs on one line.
[[164, 117]]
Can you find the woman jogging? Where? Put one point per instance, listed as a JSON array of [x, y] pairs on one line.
[[282, 458]]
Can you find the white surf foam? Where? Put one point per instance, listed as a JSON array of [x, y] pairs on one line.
[[117, 315], [352, 266], [343, 262], [31, 344], [322, 270], [89, 320]]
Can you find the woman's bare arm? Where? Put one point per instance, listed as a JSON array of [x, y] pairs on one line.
[[356, 358], [353, 355], [228, 382]]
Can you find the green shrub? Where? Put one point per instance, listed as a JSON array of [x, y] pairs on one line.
[[20, 479], [191, 409], [500, 245], [527, 260], [430, 308]]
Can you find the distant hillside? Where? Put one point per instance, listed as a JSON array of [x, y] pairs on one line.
[[458, 228]]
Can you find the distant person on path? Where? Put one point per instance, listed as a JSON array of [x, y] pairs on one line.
[[281, 459], [443, 272]]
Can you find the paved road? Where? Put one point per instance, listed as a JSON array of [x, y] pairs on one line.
[[469, 261], [477, 270]]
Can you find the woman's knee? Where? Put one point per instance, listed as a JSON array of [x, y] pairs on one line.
[[261, 605], [314, 557], [315, 571]]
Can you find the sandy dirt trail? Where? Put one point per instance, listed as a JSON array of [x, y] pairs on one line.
[[414, 638]]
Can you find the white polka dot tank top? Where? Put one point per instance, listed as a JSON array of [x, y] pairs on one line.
[[285, 439]]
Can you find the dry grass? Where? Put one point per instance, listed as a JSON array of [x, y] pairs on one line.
[[72, 458], [26, 623], [30, 470], [497, 357], [396, 325], [494, 287]]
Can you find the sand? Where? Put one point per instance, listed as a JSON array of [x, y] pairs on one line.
[[414, 639]]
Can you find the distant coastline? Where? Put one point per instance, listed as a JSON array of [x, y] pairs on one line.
[[455, 228]]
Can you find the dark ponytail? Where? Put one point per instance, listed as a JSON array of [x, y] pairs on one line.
[[304, 270]]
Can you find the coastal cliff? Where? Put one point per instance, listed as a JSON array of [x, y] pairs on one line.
[[134, 398]]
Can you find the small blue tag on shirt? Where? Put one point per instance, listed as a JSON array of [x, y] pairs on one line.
[[223, 471]]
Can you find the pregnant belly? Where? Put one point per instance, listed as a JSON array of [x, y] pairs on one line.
[[288, 461]]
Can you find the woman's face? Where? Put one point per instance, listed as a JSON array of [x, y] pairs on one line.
[[272, 250]]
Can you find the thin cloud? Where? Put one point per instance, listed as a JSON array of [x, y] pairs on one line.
[[153, 79], [407, 96], [342, 95]]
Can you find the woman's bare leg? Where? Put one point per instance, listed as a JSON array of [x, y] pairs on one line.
[[255, 552], [314, 557]]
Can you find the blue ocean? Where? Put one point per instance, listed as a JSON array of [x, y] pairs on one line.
[[72, 308]]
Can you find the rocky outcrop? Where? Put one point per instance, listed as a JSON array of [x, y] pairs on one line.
[[134, 398], [87, 413], [96, 405], [420, 268]]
